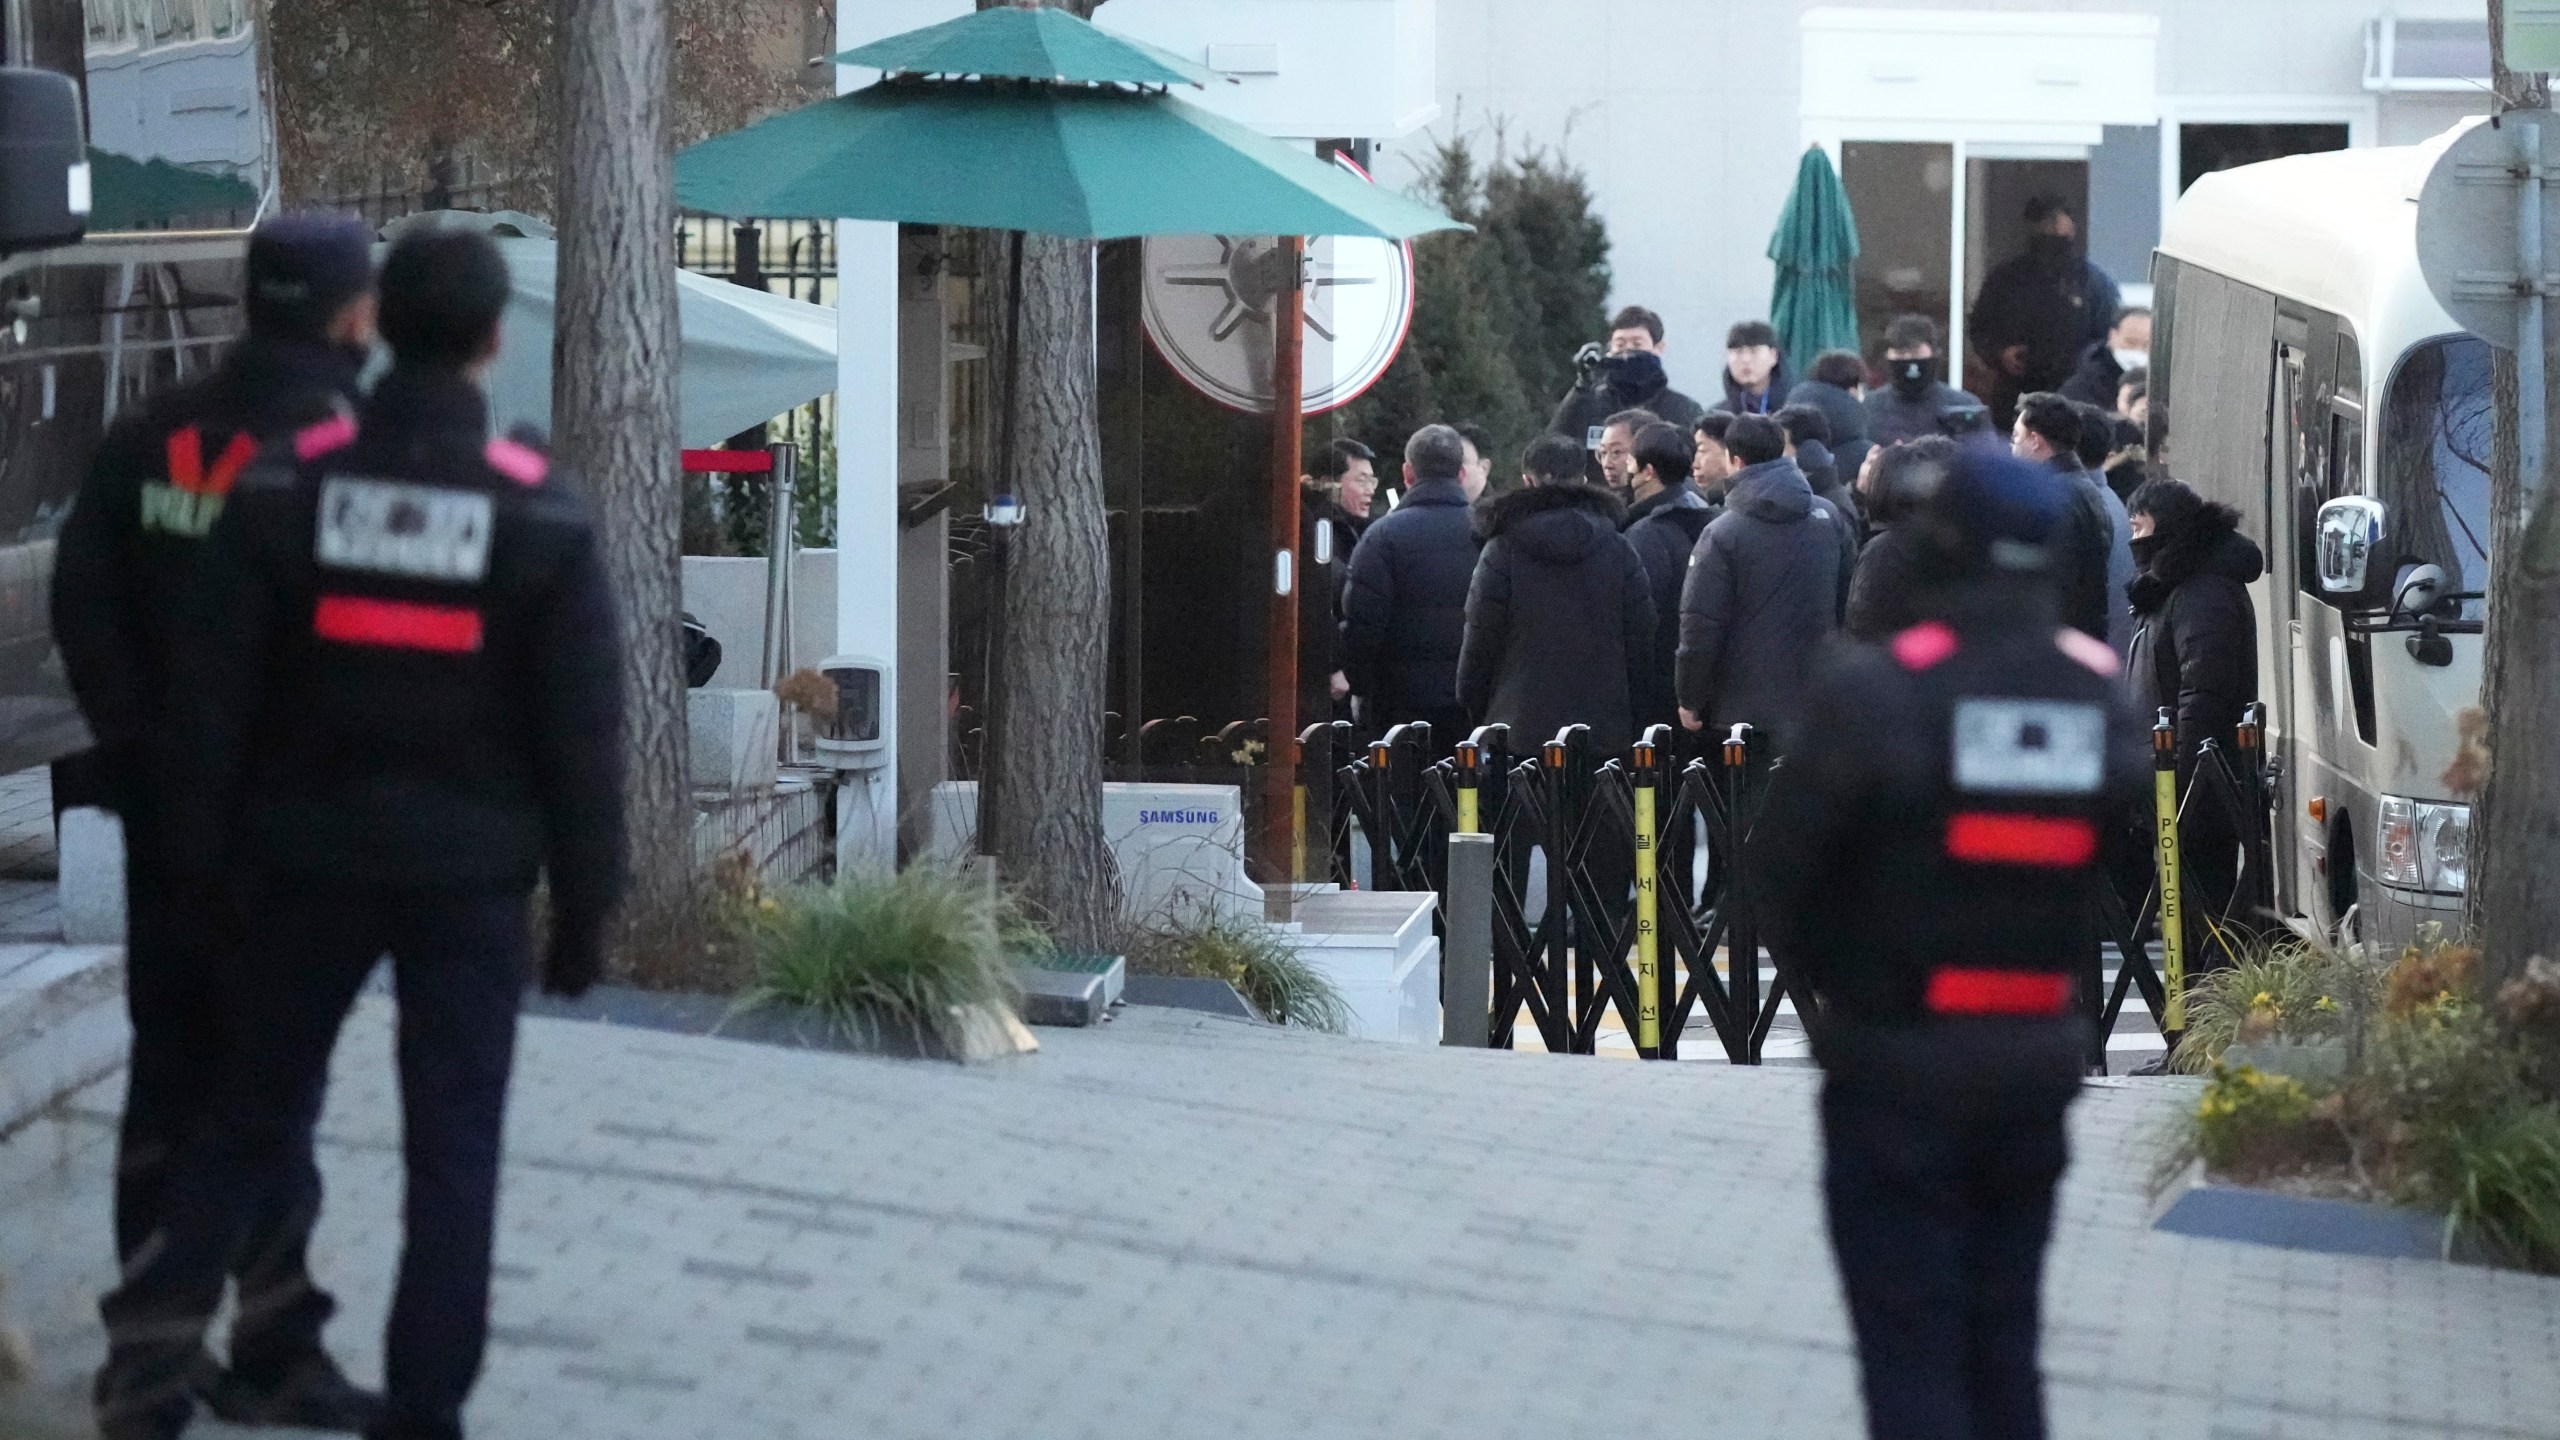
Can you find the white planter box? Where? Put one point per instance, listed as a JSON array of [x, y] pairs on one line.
[[1377, 949]]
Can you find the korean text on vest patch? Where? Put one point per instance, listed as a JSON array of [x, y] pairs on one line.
[[391, 527], [2029, 747]]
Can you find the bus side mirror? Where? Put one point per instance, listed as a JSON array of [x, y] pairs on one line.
[[2350, 542], [44, 161]]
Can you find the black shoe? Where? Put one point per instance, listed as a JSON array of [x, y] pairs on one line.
[[314, 1394]]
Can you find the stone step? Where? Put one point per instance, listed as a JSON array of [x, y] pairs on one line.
[[62, 1024]]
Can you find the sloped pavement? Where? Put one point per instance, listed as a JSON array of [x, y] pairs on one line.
[[1179, 1226]]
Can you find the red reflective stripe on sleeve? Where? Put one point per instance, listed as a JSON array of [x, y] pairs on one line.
[[2052, 842], [396, 624], [1998, 992]]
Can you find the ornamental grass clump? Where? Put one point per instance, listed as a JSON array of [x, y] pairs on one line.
[[1261, 962], [918, 950], [2445, 1102]]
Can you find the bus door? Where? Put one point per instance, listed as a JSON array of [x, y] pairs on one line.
[[2294, 439]]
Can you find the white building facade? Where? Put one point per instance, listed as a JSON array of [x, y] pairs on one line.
[[1688, 117]]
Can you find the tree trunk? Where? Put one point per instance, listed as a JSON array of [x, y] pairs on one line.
[[2514, 906], [1044, 770], [1043, 776], [613, 405]]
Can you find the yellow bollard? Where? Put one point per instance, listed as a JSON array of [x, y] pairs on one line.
[[2173, 930], [1648, 930]]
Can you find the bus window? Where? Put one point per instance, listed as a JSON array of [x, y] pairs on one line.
[[2434, 463], [2299, 462]]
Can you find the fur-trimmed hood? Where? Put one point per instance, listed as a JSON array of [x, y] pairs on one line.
[[1559, 524]]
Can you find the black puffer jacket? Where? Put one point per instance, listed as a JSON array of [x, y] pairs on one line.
[[1404, 604], [1765, 589], [1889, 592], [1559, 615], [1892, 419], [2195, 646], [1586, 406], [1847, 418], [1664, 527]]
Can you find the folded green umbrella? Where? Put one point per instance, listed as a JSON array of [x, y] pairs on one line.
[[1814, 303]]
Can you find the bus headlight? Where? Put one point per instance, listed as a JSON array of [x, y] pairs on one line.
[[2424, 845]]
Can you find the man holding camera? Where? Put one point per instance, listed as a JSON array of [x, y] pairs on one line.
[[1626, 374]]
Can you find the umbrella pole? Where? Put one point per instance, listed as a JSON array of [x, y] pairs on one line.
[[1288, 403]]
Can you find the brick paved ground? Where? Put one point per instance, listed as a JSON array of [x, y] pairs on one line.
[[1182, 1227], [29, 909]]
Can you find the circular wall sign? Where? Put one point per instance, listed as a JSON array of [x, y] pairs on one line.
[[1208, 304]]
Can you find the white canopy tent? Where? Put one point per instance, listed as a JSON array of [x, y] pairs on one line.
[[746, 357]]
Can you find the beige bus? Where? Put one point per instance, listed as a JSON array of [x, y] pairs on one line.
[[2303, 374]]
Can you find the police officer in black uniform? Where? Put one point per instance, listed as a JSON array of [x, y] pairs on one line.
[[403, 702], [1927, 858], [160, 478]]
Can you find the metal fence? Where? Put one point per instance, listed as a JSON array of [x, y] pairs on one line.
[[1622, 883]]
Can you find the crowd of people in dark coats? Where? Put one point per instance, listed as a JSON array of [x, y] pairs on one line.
[[1661, 563]]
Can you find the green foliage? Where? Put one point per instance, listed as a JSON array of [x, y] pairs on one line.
[[2506, 1191], [1262, 963], [2296, 988], [2440, 1105], [1497, 313], [2250, 1122], [912, 949]]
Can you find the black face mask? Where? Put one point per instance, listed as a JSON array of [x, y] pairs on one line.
[[2051, 249], [2145, 547], [1910, 378]]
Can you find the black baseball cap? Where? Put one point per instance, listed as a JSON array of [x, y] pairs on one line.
[[303, 269]]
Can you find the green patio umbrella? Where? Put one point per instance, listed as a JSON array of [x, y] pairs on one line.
[[1033, 120], [1815, 247]]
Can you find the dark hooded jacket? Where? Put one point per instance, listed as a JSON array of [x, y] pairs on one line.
[[1404, 604], [2095, 380], [1847, 418], [1664, 528], [2195, 642], [1558, 618], [1892, 419], [1765, 589], [1781, 380]]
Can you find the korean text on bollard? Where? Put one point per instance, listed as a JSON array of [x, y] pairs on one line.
[[2164, 824], [1742, 937], [1648, 782]]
